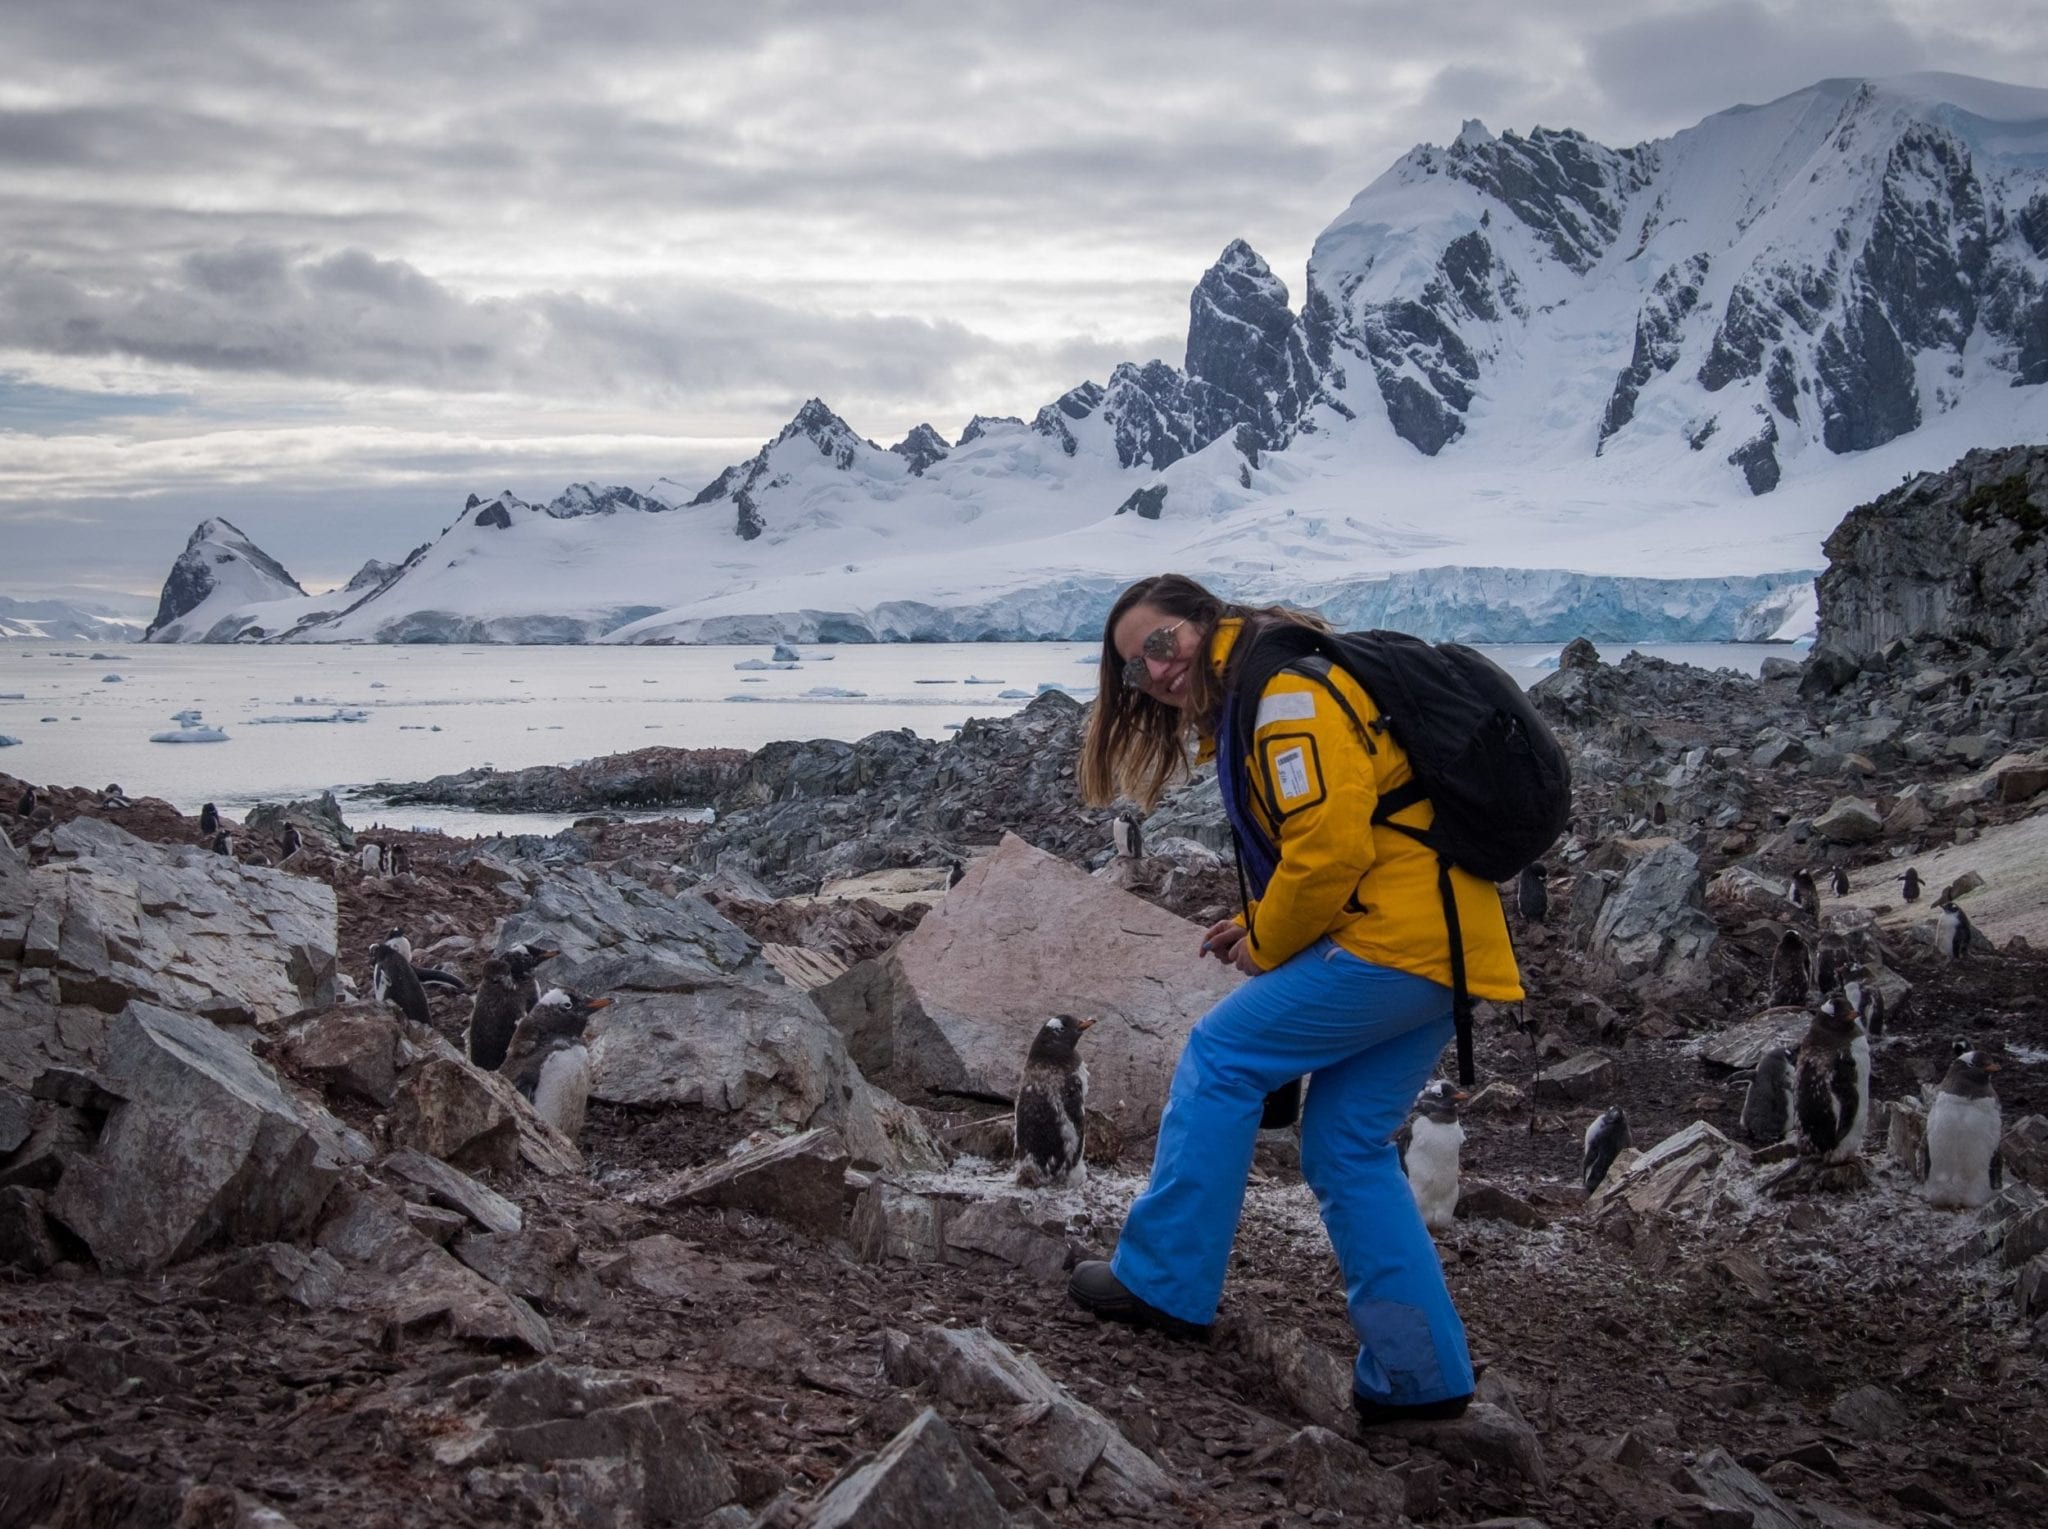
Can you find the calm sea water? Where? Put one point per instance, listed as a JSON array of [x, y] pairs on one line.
[[85, 720]]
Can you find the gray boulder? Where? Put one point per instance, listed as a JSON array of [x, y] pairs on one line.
[[760, 1049], [1850, 820], [117, 919], [203, 1147], [1652, 928], [616, 934], [923, 1479], [953, 1008]]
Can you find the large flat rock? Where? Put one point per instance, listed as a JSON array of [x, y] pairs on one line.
[[117, 919], [953, 1008], [2011, 857]]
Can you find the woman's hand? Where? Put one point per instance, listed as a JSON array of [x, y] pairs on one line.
[[1226, 942]]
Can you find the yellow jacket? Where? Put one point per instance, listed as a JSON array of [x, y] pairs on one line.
[[1315, 781]]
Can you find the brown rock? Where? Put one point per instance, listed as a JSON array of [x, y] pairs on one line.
[[1326, 1470], [800, 1180], [443, 1185], [1490, 1440], [1588, 1075], [1720, 1480], [447, 1111], [25, 1240], [350, 1050], [1023, 937], [1489, 1202], [276, 1272], [922, 1479]]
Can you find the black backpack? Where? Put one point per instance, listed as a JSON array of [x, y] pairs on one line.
[[1486, 762]]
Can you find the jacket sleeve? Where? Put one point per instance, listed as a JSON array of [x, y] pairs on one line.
[[1314, 784]]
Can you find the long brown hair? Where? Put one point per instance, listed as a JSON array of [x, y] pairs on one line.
[[1135, 745]]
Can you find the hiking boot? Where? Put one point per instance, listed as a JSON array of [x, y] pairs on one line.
[[1371, 1412], [1094, 1288]]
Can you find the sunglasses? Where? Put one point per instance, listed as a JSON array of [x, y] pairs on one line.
[[1158, 647]]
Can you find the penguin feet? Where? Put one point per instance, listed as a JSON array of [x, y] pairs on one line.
[[1093, 1287], [1371, 1412]]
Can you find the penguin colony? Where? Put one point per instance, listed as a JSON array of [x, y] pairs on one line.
[[1430, 1158], [1051, 1100]]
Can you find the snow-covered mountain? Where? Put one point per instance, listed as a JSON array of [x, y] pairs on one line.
[[1535, 386], [67, 620]]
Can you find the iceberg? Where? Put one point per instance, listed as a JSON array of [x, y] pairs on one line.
[[761, 663], [190, 735], [9, 743]]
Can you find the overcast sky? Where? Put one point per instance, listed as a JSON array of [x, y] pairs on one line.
[[325, 268]]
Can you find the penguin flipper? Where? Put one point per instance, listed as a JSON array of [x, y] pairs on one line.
[[434, 976]]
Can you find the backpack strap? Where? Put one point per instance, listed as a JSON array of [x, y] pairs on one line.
[[1461, 999]]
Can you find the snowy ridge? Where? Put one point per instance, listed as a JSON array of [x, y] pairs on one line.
[[1536, 386], [66, 620]]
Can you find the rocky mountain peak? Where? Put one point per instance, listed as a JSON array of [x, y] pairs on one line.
[[580, 499], [922, 447], [1244, 342], [374, 574], [218, 559]]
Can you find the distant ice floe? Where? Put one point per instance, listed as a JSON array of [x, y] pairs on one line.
[[13, 695], [976, 680], [932, 682], [339, 714], [9, 743], [762, 663], [1547, 663], [834, 693], [746, 698], [784, 654], [110, 679], [190, 735]]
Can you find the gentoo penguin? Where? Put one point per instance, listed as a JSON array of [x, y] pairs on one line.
[[370, 856], [1959, 1159], [1805, 894], [956, 872], [223, 844], [524, 958], [399, 859], [1831, 962], [209, 820], [1050, 1100], [495, 1013], [430, 976], [1911, 888], [294, 841], [113, 799], [1953, 931], [1831, 1084], [1789, 969], [1841, 882], [395, 937], [394, 982], [1605, 1140], [548, 1061], [1431, 1157], [26, 807], [1767, 1102], [1532, 894], [1657, 814], [1865, 999], [1127, 832]]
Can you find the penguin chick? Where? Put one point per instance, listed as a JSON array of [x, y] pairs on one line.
[[1050, 1101], [1831, 962], [393, 982], [1532, 894], [209, 820], [1959, 1158], [1767, 1102], [548, 1061], [1789, 969], [1805, 894], [1431, 1157], [1606, 1139], [494, 1014], [1953, 931], [523, 958], [1910, 888], [1831, 1084]]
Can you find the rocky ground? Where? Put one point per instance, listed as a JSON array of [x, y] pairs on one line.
[[736, 1301]]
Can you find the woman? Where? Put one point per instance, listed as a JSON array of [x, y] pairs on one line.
[[1343, 935]]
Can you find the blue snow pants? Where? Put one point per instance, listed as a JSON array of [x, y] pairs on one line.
[[1371, 1036]]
